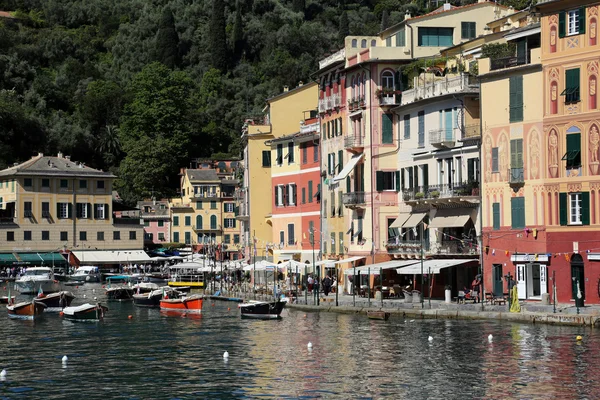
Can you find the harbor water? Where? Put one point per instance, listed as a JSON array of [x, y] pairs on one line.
[[155, 355]]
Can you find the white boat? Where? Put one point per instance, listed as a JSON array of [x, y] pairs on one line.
[[86, 273], [36, 278]]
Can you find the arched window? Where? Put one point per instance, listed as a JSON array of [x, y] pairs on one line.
[[373, 43], [354, 43], [387, 80], [573, 154], [363, 43], [199, 222], [213, 222]]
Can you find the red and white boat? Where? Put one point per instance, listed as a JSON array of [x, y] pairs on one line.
[[189, 304], [26, 310]]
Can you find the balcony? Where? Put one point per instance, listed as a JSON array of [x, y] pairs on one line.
[[443, 86], [434, 193], [356, 103], [445, 137], [330, 102], [354, 199], [471, 132], [452, 247], [354, 143], [407, 247], [389, 98], [127, 221], [243, 212], [207, 229]]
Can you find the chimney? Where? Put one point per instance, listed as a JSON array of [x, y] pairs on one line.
[[407, 15], [68, 158], [300, 84], [286, 89], [40, 155], [447, 6], [59, 155]]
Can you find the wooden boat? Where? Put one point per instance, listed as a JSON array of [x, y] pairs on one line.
[[36, 278], [153, 298], [85, 312], [4, 299], [380, 315], [25, 310], [262, 309], [55, 302], [120, 293], [191, 304]]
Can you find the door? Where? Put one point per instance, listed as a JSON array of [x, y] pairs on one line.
[[497, 284], [577, 277], [448, 125], [543, 279], [521, 281]]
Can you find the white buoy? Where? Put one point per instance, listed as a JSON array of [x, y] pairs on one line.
[[412, 320], [95, 298], [226, 355], [65, 359], [430, 339], [490, 337], [3, 374], [93, 290], [309, 345], [84, 296]]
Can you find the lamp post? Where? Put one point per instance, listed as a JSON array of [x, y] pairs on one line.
[[421, 237], [312, 242]]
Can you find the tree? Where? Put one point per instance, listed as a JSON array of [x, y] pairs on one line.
[[156, 132], [344, 29], [384, 20], [167, 41], [298, 5], [218, 43], [238, 32]]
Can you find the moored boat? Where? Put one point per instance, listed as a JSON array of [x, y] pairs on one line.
[[191, 304], [36, 279], [85, 312], [120, 293], [153, 298], [262, 309], [380, 315], [86, 273], [5, 300], [55, 302], [25, 310]]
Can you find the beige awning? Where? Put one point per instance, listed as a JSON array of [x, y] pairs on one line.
[[414, 220], [398, 222], [451, 218]]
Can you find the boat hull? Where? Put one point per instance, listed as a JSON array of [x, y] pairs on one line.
[[380, 315], [120, 294], [262, 310], [192, 304], [85, 313], [143, 300], [55, 302], [29, 310], [33, 287], [4, 299], [86, 278]]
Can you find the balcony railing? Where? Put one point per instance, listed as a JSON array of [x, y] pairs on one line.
[[452, 247], [389, 99], [407, 246], [432, 192], [353, 199], [442, 137], [330, 102], [440, 87], [127, 221], [353, 142], [509, 62], [515, 175]]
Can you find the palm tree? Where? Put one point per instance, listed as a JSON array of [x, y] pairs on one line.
[[110, 145]]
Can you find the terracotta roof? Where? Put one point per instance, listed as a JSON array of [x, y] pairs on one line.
[[53, 166], [6, 14]]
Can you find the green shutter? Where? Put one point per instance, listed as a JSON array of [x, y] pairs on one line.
[[562, 24], [276, 196], [175, 221], [348, 185], [387, 132], [266, 158], [581, 20], [341, 159], [176, 237], [516, 99], [310, 191], [562, 208], [517, 210], [198, 221], [496, 214], [329, 164], [213, 222], [397, 181], [379, 180], [585, 208]]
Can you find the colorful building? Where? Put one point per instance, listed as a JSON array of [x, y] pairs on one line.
[[157, 222], [281, 116]]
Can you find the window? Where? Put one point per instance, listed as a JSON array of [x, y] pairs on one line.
[[46, 183], [291, 239], [10, 236], [516, 160], [304, 153], [387, 80], [198, 221], [421, 118], [266, 158], [407, 126], [27, 211], [291, 188], [28, 182], [213, 204], [401, 38], [229, 222], [387, 130], [236, 239], [82, 184], [64, 184], [100, 236], [388, 180], [45, 235], [363, 43], [571, 22], [279, 195], [83, 210], [99, 184], [341, 242], [198, 205], [574, 208], [495, 159], [516, 99], [467, 30], [116, 235], [435, 37], [213, 222], [188, 220], [45, 209], [64, 236], [226, 239], [175, 220], [133, 235], [279, 154], [176, 237], [161, 236], [290, 155], [63, 210], [354, 43], [146, 223], [101, 211], [310, 191], [229, 207], [573, 154], [571, 91], [83, 236], [303, 195], [388, 41], [517, 208], [161, 223], [315, 153], [333, 243], [27, 235]]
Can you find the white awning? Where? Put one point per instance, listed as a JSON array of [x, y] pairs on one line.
[[375, 269], [398, 222], [450, 218], [112, 257], [348, 167], [262, 266], [431, 266], [414, 220], [346, 260]]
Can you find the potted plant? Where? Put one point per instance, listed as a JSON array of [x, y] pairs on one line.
[[435, 194], [448, 294], [419, 195], [406, 196]]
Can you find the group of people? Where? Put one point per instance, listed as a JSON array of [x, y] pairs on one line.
[[327, 283]]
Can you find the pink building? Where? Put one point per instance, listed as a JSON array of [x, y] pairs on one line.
[[155, 215]]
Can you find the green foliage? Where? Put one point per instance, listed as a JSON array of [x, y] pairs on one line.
[[344, 29], [384, 20], [498, 50], [167, 41], [218, 44]]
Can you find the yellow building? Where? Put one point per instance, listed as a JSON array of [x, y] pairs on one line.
[[49, 204], [255, 198]]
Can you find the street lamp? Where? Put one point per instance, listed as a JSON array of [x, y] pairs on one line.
[[421, 238], [312, 242]]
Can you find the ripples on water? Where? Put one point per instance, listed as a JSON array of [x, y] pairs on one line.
[[160, 356]]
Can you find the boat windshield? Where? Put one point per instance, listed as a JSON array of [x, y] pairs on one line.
[[37, 272]]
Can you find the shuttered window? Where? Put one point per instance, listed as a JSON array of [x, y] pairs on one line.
[[496, 215], [517, 208], [266, 158], [516, 98], [407, 126], [400, 38], [387, 130], [571, 91], [421, 118], [467, 30], [494, 159]]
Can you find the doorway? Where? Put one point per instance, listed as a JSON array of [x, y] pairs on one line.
[[577, 276], [497, 286]]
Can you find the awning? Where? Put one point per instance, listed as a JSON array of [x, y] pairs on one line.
[[29, 258], [431, 266], [450, 218], [398, 222], [414, 220], [7, 259], [346, 260], [112, 257], [348, 167], [53, 258], [374, 269]]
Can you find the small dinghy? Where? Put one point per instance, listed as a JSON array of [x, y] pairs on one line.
[[85, 312], [380, 315], [55, 302], [262, 309], [25, 310]]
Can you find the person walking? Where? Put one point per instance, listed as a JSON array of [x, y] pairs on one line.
[[326, 285], [476, 287]]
